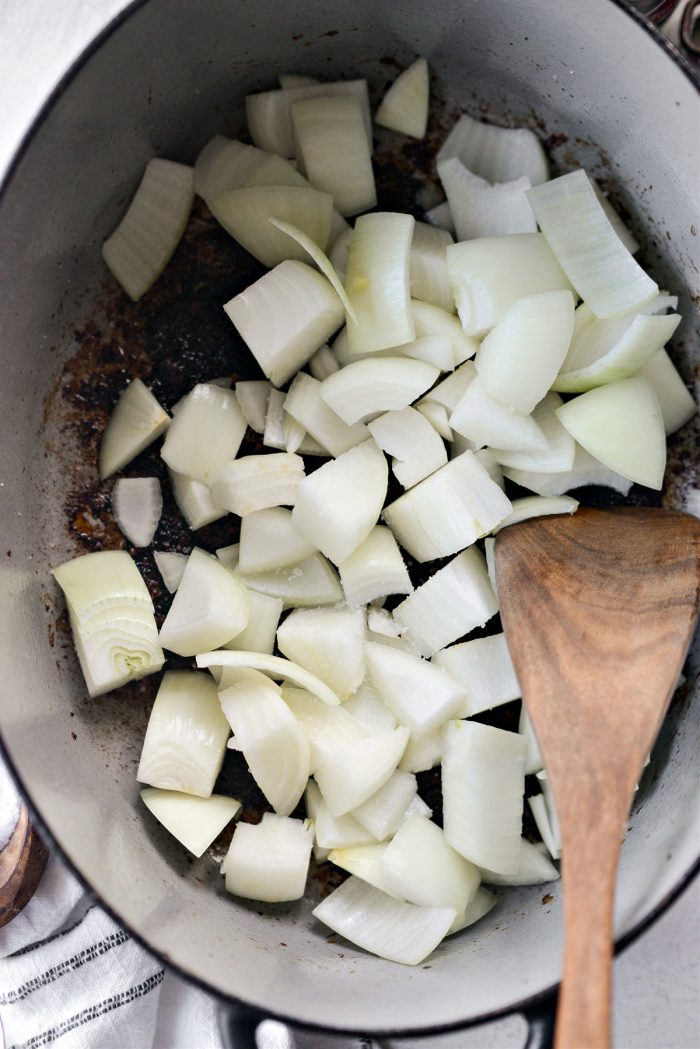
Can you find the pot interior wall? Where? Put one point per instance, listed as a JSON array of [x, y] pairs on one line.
[[169, 77]]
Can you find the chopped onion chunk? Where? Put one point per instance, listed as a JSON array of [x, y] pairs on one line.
[[392, 929], [404, 107], [136, 421], [112, 619]]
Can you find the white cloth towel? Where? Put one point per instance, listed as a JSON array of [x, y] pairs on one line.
[[70, 976]]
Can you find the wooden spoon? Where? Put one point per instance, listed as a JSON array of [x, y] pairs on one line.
[[599, 610], [22, 864]]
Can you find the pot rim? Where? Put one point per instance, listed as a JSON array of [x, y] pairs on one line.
[[527, 1005]]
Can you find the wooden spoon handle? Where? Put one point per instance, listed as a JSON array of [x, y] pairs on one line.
[[22, 864], [589, 869]]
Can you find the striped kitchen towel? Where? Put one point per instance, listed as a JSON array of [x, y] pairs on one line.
[[70, 976]]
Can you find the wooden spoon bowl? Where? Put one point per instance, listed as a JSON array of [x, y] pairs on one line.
[[599, 610]]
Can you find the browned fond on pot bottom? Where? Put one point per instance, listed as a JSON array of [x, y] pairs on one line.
[[599, 610]]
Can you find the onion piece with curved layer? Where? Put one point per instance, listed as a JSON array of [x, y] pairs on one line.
[[323, 363], [111, 617], [420, 866], [622, 426], [305, 404], [485, 209], [185, 740], [195, 822], [256, 482], [283, 669], [534, 868], [270, 540], [560, 451], [484, 669], [333, 832], [269, 737], [625, 234], [404, 107], [676, 402], [335, 155], [438, 417], [285, 316], [194, 500], [352, 775], [223, 164], [586, 470], [338, 505], [485, 421], [260, 632], [454, 601], [327, 729], [329, 642], [374, 569], [367, 707], [450, 391], [420, 695], [540, 814], [424, 753], [480, 906], [487, 459], [587, 247], [498, 154], [309, 583], [631, 344], [137, 503], [471, 506], [207, 430], [385, 810], [538, 506], [416, 447], [269, 113], [319, 257], [245, 213], [364, 389], [432, 349], [210, 607], [253, 396], [171, 567], [364, 861], [284, 433], [143, 243], [377, 282], [533, 758], [429, 319], [428, 266], [136, 421], [483, 781], [269, 861], [521, 356], [489, 274], [276, 171], [398, 931]]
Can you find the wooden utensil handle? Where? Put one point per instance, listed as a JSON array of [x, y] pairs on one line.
[[589, 874]]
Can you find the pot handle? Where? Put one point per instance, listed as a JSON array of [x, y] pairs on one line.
[[540, 1018], [237, 1026]]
